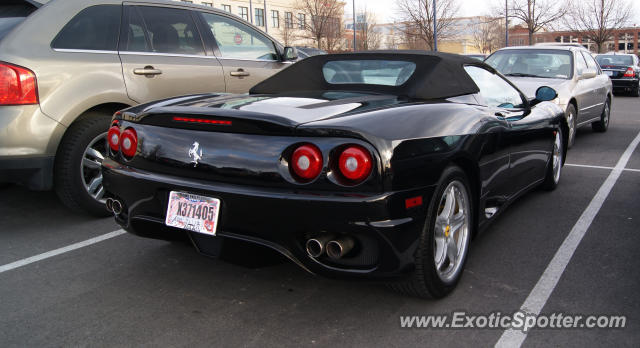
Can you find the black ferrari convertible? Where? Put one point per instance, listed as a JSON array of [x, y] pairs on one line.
[[374, 165]]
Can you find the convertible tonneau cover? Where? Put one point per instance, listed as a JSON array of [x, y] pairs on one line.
[[437, 75]]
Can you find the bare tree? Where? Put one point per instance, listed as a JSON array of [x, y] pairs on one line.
[[488, 34], [598, 20], [417, 16], [325, 18], [536, 14], [288, 32], [369, 36]]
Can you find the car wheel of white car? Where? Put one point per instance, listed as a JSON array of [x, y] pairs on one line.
[[603, 124]]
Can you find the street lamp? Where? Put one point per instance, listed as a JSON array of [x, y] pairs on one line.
[[354, 25], [435, 28], [506, 24]]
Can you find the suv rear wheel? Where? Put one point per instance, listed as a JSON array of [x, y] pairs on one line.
[[77, 173]]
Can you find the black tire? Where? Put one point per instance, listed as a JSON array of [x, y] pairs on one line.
[[636, 91], [551, 180], [68, 181], [573, 124], [602, 125], [424, 281]]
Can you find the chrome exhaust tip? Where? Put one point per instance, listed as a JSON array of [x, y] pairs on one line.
[[116, 207], [316, 246], [109, 205], [340, 247]]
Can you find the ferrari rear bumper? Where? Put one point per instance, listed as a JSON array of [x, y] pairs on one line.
[[384, 230]]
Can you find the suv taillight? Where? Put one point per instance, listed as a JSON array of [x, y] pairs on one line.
[[17, 85], [629, 73]]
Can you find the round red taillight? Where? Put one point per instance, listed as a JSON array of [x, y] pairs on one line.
[[129, 142], [355, 163], [113, 137], [306, 162]]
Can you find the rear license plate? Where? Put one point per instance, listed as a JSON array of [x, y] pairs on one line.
[[193, 212], [610, 73]]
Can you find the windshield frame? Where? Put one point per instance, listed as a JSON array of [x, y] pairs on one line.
[[570, 53]]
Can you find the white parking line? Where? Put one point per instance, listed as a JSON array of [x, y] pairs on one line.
[[540, 294], [59, 251], [599, 167]]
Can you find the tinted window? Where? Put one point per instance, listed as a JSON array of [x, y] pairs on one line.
[[136, 39], [94, 28], [614, 60], [171, 30], [494, 89], [236, 40], [533, 63], [6, 24], [371, 72]]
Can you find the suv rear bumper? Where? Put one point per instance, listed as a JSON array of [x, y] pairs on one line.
[[36, 173], [28, 142]]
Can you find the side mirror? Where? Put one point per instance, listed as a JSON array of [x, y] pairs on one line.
[[544, 93], [290, 53], [588, 73]]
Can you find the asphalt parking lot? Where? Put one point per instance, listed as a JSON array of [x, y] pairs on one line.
[[128, 291]]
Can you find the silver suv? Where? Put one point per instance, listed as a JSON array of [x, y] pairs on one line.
[[584, 91], [67, 66]]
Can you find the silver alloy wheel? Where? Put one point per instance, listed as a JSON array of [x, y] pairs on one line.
[[90, 171], [572, 125], [557, 157], [451, 231], [606, 112]]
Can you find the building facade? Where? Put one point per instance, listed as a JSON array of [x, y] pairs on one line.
[[623, 40], [281, 19]]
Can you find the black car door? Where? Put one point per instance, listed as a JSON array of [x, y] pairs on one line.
[[526, 136]]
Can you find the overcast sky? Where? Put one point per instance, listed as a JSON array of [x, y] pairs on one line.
[[386, 10]]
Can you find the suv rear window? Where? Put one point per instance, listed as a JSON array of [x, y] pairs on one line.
[[6, 24], [94, 28]]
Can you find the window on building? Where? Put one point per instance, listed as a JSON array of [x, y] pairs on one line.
[[288, 20], [275, 19], [187, 1], [226, 8], [301, 21], [244, 13], [210, 4], [259, 17]]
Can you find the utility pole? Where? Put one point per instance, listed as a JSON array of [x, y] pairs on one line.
[[354, 25], [506, 23], [264, 17], [435, 28], [250, 11]]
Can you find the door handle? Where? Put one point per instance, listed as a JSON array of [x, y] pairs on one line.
[[239, 73], [147, 70]]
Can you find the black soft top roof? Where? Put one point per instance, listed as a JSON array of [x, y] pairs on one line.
[[437, 75]]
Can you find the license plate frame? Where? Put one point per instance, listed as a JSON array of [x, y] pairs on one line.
[[193, 212]]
